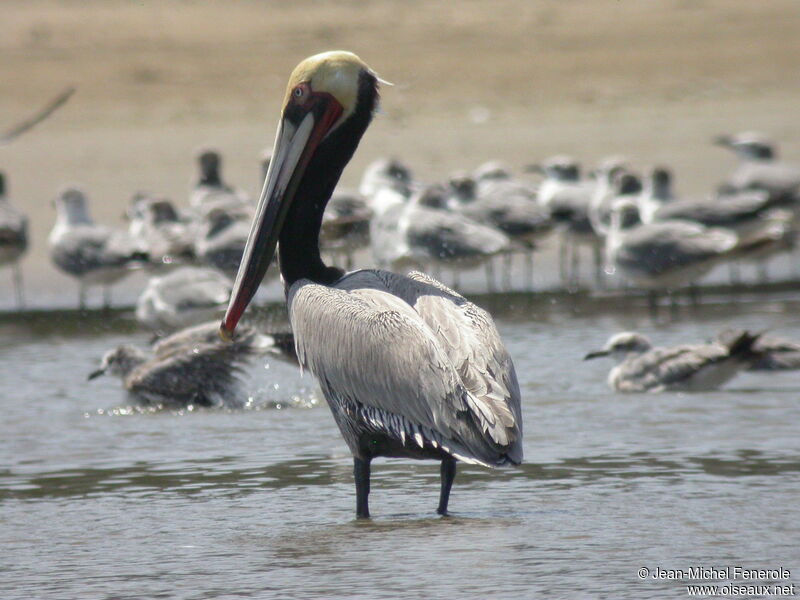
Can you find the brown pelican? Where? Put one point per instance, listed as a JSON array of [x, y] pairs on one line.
[[13, 239], [409, 368], [689, 367]]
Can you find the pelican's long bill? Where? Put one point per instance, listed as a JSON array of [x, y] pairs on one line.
[[300, 131]]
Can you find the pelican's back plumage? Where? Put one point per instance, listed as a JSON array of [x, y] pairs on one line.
[[408, 358]]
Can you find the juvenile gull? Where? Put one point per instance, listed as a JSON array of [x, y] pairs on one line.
[[180, 374], [13, 240], [183, 297], [689, 368], [93, 254]]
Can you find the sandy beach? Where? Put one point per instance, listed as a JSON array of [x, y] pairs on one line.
[[474, 81]]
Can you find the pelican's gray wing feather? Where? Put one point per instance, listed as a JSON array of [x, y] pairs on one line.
[[363, 341], [472, 344]]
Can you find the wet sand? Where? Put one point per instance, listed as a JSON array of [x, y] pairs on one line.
[[475, 81]]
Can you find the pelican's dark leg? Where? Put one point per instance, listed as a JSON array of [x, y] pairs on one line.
[[361, 473], [448, 475]]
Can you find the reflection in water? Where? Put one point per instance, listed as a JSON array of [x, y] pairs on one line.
[[222, 475]]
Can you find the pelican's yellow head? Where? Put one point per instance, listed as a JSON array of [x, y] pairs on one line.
[[336, 73]]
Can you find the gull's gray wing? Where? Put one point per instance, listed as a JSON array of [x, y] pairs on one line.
[[662, 368], [662, 246], [84, 248], [202, 374], [373, 352]]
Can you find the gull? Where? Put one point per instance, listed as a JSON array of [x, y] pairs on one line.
[[93, 254], [183, 297], [157, 225], [345, 226], [689, 367], [662, 255], [418, 232], [184, 369], [761, 169], [509, 205], [211, 192], [567, 197], [13, 240]]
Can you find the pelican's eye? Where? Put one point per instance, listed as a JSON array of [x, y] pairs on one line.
[[301, 93]]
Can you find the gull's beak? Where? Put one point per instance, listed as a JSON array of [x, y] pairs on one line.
[[295, 143], [95, 374], [722, 140], [596, 354]]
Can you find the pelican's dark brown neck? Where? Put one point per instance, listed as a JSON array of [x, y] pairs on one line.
[[298, 246]]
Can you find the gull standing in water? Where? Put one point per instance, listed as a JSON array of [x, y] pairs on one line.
[[13, 240], [183, 297], [507, 204], [567, 199], [408, 367], [663, 255], [94, 254], [689, 368], [421, 231]]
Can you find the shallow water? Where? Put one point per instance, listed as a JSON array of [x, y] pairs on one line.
[[101, 500]]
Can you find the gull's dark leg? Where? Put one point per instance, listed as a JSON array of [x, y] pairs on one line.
[[490, 275], [361, 473], [106, 297], [448, 475], [18, 287], [652, 301]]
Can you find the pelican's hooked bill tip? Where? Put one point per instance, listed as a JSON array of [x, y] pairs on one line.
[[225, 334]]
